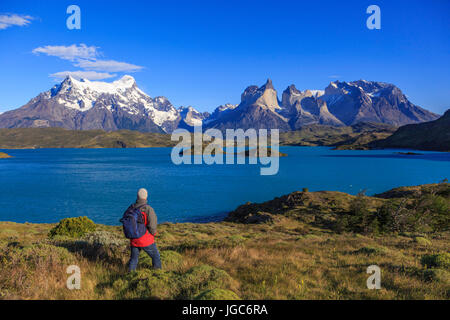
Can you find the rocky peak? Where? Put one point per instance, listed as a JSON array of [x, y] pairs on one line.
[[264, 96], [291, 89], [267, 85]]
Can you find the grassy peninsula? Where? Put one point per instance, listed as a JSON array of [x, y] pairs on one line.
[[355, 137], [305, 245], [35, 138]]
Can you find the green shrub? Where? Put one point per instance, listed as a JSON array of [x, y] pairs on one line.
[[438, 275], [99, 245], [359, 218], [201, 278], [217, 294], [422, 241], [34, 255], [27, 269], [440, 260], [72, 227], [24, 268], [105, 238], [425, 211], [166, 284], [147, 284]]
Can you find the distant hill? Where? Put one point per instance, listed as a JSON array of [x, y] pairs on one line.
[[433, 135], [25, 138], [349, 137]]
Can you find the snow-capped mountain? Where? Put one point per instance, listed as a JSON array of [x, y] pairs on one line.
[[219, 112], [341, 103], [371, 101], [191, 118], [83, 104]]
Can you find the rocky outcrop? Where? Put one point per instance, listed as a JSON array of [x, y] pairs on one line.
[[191, 118], [258, 110], [305, 108]]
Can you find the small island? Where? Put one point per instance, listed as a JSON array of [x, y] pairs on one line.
[[4, 155], [410, 153], [262, 152]]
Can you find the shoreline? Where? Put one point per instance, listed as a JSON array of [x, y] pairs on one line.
[[222, 217], [283, 249], [281, 145]]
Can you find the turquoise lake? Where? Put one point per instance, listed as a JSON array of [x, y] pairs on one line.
[[46, 185]]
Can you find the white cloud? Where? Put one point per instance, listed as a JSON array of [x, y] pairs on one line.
[[108, 65], [90, 75], [85, 57], [334, 76], [9, 20], [71, 53]]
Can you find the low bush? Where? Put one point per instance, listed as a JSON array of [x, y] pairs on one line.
[[201, 278], [147, 284], [424, 211], [438, 275], [217, 294], [167, 284], [440, 260], [98, 245], [31, 270], [422, 241], [72, 227]]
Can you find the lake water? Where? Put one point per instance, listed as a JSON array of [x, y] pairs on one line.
[[46, 185]]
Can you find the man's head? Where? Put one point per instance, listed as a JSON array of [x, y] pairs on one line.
[[142, 194]]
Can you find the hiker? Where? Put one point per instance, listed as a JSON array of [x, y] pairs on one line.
[[139, 225]]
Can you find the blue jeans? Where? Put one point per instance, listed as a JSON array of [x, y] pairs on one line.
[[151, 250]]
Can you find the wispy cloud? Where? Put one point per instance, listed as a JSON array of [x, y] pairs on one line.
[[86, 58], [90, 75], [9, 20], [334, 76], [71, 53], [107, 65]]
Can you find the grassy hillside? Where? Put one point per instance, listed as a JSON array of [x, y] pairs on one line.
[[292, 247], [62, 138], [433, 135], [314, 135], [350, 137]]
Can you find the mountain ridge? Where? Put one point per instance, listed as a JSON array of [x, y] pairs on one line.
[[86, 105]]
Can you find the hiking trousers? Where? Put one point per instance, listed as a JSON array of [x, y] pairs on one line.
[[151, 250]]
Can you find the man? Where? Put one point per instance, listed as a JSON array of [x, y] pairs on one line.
[[147, 241]]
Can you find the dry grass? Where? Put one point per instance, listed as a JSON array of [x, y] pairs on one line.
[[270, 261]]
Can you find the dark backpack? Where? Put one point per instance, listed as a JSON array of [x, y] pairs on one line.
[[134, 223]]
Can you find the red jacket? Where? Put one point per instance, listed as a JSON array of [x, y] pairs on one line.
[[146, 240]]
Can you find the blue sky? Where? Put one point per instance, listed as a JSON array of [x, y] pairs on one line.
[[205, 53]]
